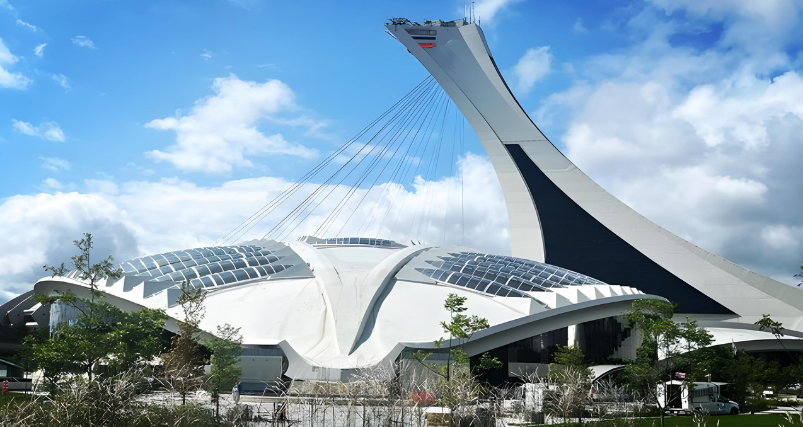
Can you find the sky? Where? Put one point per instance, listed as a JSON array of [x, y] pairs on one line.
[[160, 126]]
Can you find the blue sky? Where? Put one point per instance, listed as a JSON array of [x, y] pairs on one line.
[[161, 125]]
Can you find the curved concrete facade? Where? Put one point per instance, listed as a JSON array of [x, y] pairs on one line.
[[332, 306], [560, 216]]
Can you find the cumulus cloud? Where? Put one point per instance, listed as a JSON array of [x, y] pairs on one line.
[[704, 142], [8, 79], [40, 228], [48, 130], [83, 41], [221, 130], [39, 50], [207, 55], [55, 164], [533, 66], [486, 10]]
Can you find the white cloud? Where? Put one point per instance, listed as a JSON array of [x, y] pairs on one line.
[[533, 66], [6, 5], [486, 10], [578, 27], [51, 185], [221, 130], [702, 142], [62, 80], [48, 130], [207, 55], [8, 79], [83, 41], [272, 66], [22, 23], [39, 50], [55, 164], [40, 228]]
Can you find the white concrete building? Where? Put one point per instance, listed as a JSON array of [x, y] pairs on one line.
[[321, 308]]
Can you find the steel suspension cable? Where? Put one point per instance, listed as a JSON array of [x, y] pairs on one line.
[[299, 210], [284, 195]]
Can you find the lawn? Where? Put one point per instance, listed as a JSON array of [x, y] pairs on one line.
[[720, 421], [13, 397], [770, 420]]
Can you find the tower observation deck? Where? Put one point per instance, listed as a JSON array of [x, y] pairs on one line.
[[558, 215]]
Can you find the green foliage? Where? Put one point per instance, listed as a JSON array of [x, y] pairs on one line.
[[88, 272], [184, 362], [460, 327], [767, 324], [117, 401], [667, 346], [118, 339], [488, 363], [569, 356], [225, 370], [101, 333]]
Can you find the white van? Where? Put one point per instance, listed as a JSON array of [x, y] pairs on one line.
[[706, 397]]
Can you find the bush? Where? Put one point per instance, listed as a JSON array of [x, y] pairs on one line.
[[758, 405]]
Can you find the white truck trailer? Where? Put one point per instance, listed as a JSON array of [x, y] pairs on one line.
[[703, 397]]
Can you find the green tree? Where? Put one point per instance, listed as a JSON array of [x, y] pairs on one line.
[[184, 363], [226, 348], [457, 385], [120, 340], [571, 378], [570, 356], [666, 345], [101, 332]]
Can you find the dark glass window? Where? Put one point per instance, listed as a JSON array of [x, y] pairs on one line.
[[203, 270], [189, 274], [207, 281], [493, 288], [228, 277], [252, 273], [240, 275], [240, 263], [215, 268], [218, 280], [227, 265]]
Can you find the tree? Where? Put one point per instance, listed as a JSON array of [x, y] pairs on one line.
[[666, 346], [226, 348], [571, 378], [101, 332], [118, 339], [184, 363], [457, 385]]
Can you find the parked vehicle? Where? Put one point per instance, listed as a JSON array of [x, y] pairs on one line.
[[702, 397], [706, 397]]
